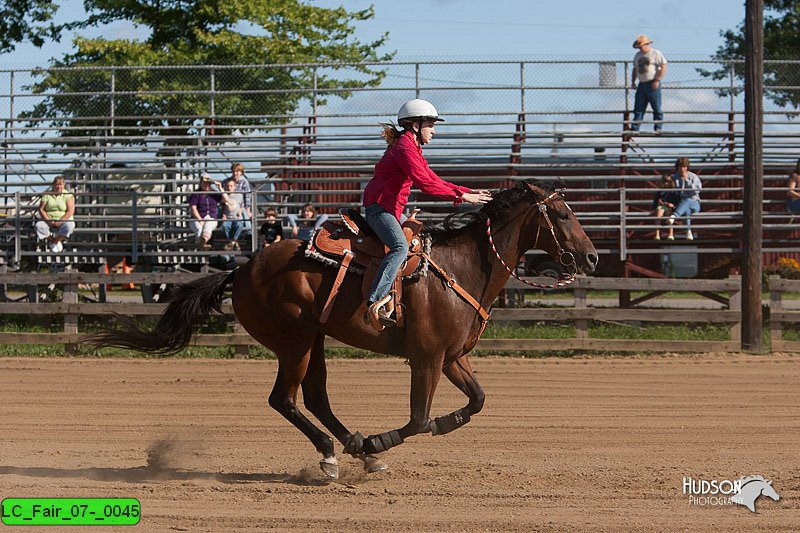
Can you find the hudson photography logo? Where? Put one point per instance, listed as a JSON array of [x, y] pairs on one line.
[[720, 492]]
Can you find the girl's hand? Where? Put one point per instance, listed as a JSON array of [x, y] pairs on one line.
[[477, 197]]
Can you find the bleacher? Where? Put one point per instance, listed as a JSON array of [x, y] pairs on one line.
[[132, 190]]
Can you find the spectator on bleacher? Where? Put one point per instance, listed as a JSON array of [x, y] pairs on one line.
[[204, 207], [649, 66], [56, 216], [664, 203], [386, 196], [308, 222], [271, 229], [232, 215], [689, 186], [793, 205], [243, 188]]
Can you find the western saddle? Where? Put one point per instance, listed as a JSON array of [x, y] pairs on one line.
[[350, 244]]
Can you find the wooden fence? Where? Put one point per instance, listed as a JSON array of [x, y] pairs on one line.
[[778, 316], [573, 307]]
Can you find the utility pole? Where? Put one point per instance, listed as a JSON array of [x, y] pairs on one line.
[[753, 175]]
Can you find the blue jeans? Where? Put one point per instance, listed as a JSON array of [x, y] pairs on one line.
[[645, 94], [686, 209], [232, 229], [388, 229]]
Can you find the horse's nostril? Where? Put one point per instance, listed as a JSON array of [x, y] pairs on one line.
[[591, 259]]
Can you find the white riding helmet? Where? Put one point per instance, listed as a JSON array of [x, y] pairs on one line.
[[417, 108]]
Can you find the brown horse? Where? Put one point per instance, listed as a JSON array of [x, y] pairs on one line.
[[278, 297]]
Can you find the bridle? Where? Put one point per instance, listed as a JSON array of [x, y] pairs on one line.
[[562, 256], [567, 259]]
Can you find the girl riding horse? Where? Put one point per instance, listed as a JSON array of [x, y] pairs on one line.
[[386, 196]]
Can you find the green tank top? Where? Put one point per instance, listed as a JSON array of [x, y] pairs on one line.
[[55, 205]]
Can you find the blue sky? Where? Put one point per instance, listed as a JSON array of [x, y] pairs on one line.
[[502, 29]]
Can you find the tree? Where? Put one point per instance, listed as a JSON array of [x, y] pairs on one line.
[[781, 41], [258, 34], [26, 20]]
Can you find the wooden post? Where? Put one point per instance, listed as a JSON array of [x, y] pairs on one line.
[[71, 319], [735, 304], [775, 307], [753, 173], [581, 325], [241, 351]]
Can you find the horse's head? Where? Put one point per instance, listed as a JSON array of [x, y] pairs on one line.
[[769, 491], [557, 230]]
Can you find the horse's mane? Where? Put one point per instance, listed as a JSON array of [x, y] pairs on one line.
[[460, 223]]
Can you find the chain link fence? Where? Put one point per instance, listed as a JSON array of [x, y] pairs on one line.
[[468, 89], [178, 121]]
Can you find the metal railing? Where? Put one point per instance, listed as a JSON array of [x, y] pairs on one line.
[[531, 114], [153, 227], [555, 119]]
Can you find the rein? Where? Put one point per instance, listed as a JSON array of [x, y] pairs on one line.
[[563, 257]]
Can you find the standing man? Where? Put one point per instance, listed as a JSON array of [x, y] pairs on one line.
[[243, 188], [649, 66]]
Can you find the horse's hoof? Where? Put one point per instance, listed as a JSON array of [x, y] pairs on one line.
[[330, 467], [372, 464]]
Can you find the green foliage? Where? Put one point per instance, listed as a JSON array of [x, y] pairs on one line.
[[661, 332], [541, 330], [781, 41], [257, 33], [26, 20]]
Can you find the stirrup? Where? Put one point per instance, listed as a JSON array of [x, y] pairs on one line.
[[378, 316]]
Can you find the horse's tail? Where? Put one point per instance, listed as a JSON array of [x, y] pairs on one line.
[[191, 302]]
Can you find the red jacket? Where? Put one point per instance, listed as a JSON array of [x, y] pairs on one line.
[[402, 166]]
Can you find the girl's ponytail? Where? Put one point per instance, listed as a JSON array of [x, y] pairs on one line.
[[390, 133]]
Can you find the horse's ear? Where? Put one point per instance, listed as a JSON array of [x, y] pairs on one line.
[[532, 187]]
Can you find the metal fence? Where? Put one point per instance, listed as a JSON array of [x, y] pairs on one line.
[[184, 119], [140, 136]]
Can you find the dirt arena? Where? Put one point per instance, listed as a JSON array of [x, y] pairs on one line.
[[598, 443]]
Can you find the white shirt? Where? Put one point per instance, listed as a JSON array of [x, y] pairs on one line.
[[647, 65]]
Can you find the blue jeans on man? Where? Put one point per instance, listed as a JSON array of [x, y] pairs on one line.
[[645, 94], [686, 208], [388, 229], [232, 229]]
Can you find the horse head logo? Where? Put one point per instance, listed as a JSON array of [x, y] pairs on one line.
[[751, 488]]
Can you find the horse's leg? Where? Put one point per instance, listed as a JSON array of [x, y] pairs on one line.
[[424, 378], [283, 398], [315, 397], [460, 374]]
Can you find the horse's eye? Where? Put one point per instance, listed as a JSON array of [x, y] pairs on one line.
[[563, 214]]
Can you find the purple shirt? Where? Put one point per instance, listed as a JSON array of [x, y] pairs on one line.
[[206, 204]]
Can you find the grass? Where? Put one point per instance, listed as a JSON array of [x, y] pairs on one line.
[[497, 330]]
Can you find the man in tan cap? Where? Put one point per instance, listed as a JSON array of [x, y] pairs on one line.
[[649, 66]]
